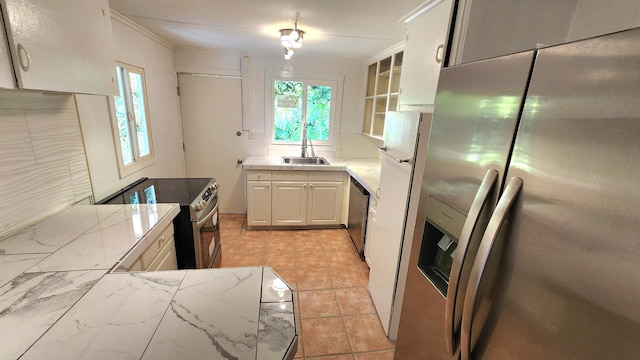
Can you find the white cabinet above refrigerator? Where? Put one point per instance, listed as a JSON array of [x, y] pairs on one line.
[[424, 54]]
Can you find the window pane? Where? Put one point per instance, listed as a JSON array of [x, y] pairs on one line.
[[150, 195], [139, 111], [318, 112], [287, 114], [123, 126]]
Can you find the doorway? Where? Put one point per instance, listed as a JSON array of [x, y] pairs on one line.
[[211, 111]]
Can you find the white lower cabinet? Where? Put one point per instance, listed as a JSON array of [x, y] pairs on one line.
[[324, 199], [258, 203], [295, 198], [166, 258], [159, 255], [289, 203]]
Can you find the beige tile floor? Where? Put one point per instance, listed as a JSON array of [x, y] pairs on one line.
[[336, 316]]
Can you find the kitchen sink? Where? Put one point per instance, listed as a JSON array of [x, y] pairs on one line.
[[305, 160]]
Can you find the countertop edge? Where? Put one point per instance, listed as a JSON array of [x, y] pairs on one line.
[[369, 178]]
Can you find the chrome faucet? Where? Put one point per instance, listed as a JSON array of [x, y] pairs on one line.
[[304, 153], [313, 153]]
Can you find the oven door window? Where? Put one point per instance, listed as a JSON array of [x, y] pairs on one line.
[[207, 241]]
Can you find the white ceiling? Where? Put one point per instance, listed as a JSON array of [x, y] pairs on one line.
[[351, 30]]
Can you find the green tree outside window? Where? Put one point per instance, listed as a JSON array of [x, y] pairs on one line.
[[290, 108]]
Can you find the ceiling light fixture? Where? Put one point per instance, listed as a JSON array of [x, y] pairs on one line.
[[291, 39]]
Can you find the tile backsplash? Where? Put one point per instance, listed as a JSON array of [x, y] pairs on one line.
[[43, 166]]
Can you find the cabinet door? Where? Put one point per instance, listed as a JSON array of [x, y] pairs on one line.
[[166, 259], [423, 55], [258, 203], [370, 226], [289, 203], [7, 80], [383, 248], [324, 203], [137, 266], [61, 45]]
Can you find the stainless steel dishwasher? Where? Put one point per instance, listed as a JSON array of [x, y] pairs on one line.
[[358, 206]]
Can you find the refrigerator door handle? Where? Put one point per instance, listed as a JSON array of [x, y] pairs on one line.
[[465, 252], [479, 265], [383, 150]]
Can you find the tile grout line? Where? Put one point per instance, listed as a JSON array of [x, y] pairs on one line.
[[327, 265]]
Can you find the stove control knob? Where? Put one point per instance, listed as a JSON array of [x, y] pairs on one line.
[[215, 186]]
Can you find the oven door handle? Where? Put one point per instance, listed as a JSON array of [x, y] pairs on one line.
[[207, 217]]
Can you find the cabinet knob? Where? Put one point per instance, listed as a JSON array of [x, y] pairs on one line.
[[23, 58], [311, 186], [259, 176], [268, 185], [439, 53]]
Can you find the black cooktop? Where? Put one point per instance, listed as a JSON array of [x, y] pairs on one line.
[[159, 190]]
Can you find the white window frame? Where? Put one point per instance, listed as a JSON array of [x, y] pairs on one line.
[[138, 162], [336, 83]]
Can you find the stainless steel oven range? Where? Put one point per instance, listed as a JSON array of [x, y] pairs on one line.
[[197, 226]]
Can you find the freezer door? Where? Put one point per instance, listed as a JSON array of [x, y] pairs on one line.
[[475, 117], [568, 279]]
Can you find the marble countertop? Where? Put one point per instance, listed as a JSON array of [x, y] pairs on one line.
[[58, 298], [365, 170]]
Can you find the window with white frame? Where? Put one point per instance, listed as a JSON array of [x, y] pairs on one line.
[[131, 122], [300, 104]]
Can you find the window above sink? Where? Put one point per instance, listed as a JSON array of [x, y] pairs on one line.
[[298, 99]]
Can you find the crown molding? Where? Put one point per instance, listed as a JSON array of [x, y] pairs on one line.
[[141, 29]]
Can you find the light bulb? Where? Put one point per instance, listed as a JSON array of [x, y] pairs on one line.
[[288, 52], [294, 35]]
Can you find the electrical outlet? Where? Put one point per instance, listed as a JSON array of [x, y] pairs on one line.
[[251, 134]]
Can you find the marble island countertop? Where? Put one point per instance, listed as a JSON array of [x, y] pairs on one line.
[[365, 170], [58, 298]]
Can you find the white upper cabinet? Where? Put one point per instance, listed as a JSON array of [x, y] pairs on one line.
[[62, 46], [7, 80], [424, 52]]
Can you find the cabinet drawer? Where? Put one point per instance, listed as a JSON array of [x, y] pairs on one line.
[[286, 175], [166, 259], [152, 250], [137, 266], [258, 175], [326, 175]]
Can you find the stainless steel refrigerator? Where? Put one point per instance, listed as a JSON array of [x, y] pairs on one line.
[[552, 271]]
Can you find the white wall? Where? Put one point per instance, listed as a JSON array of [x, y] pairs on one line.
[[135, 46], [43, 168], [348, 142]]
